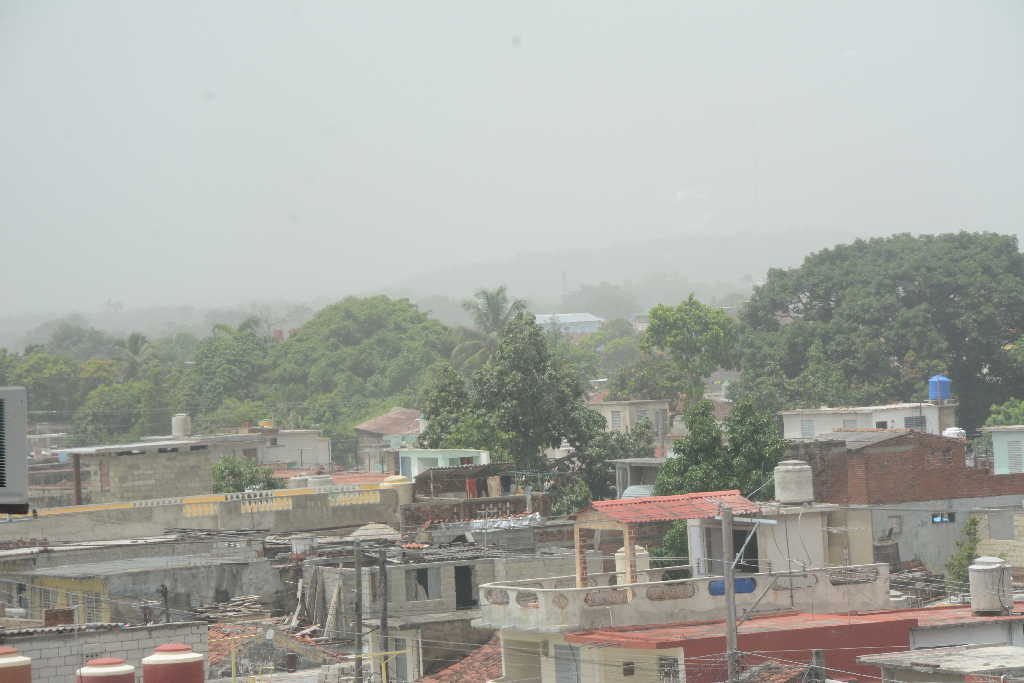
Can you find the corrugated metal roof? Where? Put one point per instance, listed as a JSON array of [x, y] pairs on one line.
[[701, 505], [638, 491], [395, 421], [566, 318]]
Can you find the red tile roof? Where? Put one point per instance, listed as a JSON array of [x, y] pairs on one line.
[[482, 664], [395, 421], [675, 635], [702, 505]]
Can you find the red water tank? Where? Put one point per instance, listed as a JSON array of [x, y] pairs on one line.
[[173, 663], [106, 670], [14, 668]]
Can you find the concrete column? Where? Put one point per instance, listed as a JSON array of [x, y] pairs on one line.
[[695, 548], [581, 560], [627, 536]]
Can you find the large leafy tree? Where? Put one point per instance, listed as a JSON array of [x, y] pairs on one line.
[[590, 461], [111, 413], [740, 456], [52, 381], [1008, 413], [491, 310], [232, 474], [870, 321], [229, 363]]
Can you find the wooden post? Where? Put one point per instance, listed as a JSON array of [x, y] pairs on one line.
[[581, 560], [76, 467]]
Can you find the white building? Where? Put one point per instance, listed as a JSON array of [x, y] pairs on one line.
[[297, 447], [570, 323], [928, 417], [414, 461]]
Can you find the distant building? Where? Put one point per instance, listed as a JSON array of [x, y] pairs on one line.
[[635, 477], [414, 461], [640, 323], [296, 448], [929, 417], [397, 428], [622, 416], [570, 323], [1007, 448]]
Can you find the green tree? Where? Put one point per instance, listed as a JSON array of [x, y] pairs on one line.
[[232, 474], [1008, 413], [231, 414], [229, 363], [742, 456], [491, 310], [569, 496], [74, 339], [699, 339], [111, 413], [52, 381], [966, 550], [654, 376], [590, 460], [133, 354], [869, 322]]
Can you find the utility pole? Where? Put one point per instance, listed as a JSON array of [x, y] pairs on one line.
[[359, 612], [384, 640], [728, 574]]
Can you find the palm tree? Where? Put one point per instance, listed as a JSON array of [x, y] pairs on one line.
[[491, 310], [136, 348]]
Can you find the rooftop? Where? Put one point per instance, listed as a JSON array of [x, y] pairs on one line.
[[138, 564], [702, 505], [863, 409], [395, 421], [1004, 428], [566, 318], [675, 635], [148, 446], [482, 664], [653, 462], [962, 659], [860, 438]]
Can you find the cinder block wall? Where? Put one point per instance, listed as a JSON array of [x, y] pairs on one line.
[[57, 655]]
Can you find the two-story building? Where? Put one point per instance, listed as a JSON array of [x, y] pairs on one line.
[[397, 428]]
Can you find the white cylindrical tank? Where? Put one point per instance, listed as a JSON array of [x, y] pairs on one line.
[[954, 433], [990, 586], [403, 485], [794, 482], [297, 483], [181, 426], [643, 563]]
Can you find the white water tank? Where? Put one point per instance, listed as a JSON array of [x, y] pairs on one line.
[[643, 563], [954, 433], [794, 482], [181, 426], [990, 586]]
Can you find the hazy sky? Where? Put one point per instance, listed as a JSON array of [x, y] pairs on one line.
[[212, 152]]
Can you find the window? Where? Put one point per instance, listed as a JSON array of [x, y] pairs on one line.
[[423, 584], [807, 429], [668, 669], [405, 468], [850, 423], [943, 517], [427, 464], [1015, 456], [616, 419], [628, 669], [881, 424], [915, 422], [198, 447]]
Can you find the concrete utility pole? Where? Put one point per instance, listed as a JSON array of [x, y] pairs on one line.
[[384, 640], [729, 577], [357, 562]]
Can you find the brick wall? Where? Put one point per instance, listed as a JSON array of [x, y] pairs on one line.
[[910, 467], [57, 655], [417, 514]]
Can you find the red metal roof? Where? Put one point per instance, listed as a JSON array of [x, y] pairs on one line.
[[702, 505], [675, 635], [394, 422]]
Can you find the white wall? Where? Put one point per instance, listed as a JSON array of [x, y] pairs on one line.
[[303, 448], [826, 422]]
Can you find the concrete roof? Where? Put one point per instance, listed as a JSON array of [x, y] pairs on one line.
[[962, 659], [135, 565], [163, 443], [675, 635], [862, 409], [1004, 428]]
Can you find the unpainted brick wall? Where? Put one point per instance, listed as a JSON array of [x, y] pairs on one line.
[[911, 467]]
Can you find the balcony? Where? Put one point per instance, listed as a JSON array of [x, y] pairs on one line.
[[555, 604]]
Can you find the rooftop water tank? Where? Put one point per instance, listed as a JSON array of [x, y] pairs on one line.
[[14, 668], [954, 433], [990, 586], [641, 557], [173, 663], [106, 670], [794, 482], [940, 388]]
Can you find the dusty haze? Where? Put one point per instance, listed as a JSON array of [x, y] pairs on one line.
[[208, 153]]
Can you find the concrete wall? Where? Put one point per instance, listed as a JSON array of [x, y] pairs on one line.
[[298, 447], [984, 633], [933, 543], [936, 418], [277, 511], [56, 655]]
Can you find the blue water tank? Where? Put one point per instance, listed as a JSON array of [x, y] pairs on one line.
[[940, 388]]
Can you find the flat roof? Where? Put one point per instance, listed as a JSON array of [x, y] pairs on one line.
[[865, 409], [656, 637], [134, 565], [641, 461], [961, 659], [1004, 428], [165, 443], [859, 438]]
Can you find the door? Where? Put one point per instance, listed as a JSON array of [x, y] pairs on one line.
[[567, 664], [465, 597]]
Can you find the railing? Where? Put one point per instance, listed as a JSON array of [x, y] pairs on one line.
[[555, 604]]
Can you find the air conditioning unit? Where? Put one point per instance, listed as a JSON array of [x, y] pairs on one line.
[[13, 450]]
